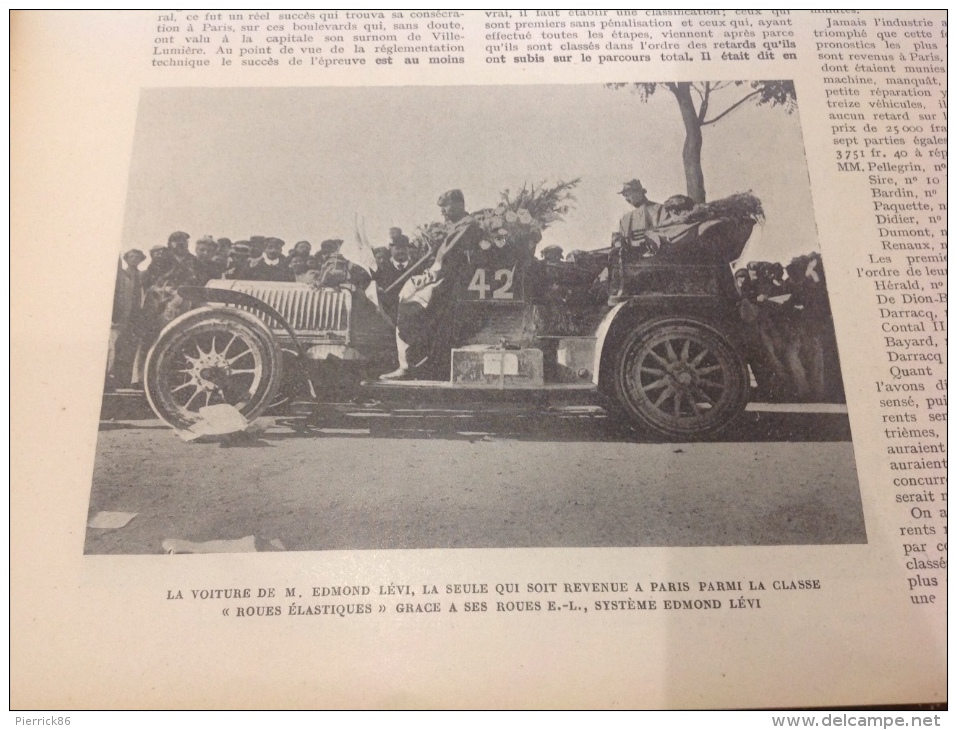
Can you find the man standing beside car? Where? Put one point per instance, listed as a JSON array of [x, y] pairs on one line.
[[164, 276], [125, 330], [390, 270]]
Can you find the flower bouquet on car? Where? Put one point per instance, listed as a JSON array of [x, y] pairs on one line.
[[517, 221]]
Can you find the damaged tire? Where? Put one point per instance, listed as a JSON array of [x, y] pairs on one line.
[[211, 356]]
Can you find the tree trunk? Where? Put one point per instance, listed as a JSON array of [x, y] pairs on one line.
[[691, 152]]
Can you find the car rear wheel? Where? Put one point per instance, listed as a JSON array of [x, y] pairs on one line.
[[212, 356], [680, 378]]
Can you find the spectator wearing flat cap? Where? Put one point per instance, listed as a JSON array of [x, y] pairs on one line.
[[165, 275], [425, 316], [273, 265], [326, 249], [381, 254], [299, 266], [156, 264], [646, 215], [175, 263], [221, 255], [207, 265], [257, 245], [237, 265], [336, 270]]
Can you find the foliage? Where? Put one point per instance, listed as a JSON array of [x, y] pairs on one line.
[[763, 93], [427, 237], [734, 207], [518, 219], [697, 103]]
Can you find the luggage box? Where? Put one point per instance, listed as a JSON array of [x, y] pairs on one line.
[[486, 366]]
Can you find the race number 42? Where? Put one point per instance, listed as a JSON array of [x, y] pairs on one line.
[[500, 286]]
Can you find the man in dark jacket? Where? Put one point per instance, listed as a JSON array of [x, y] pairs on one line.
[[237, 265], [424, 326], [206, 251], [127, 314], [272, 266], [391, 270], [166, 273]]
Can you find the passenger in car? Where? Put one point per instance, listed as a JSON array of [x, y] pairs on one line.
[[646, 214], [552, 254]]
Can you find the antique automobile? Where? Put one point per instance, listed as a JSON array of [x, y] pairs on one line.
[[655, 338]]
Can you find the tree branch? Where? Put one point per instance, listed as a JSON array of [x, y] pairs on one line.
[[731, 108], [703, 111]]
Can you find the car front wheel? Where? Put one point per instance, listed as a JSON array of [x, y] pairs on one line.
[[211, 356]]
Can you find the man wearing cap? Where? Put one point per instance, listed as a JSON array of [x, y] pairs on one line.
[[165, 274], [333, 274], [221, 255], [299, 266], [425, 315], [675, 231], [176, 255], [381, 255], [338, 271], [326, 249], [391, 270], [552, 254], [238, 262], [208, 267], [256, 246], [646, 214], [157, 263], [176, 267], [272, 266]]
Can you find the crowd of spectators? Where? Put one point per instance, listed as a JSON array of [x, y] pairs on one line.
[[146, 300], [792, 349]]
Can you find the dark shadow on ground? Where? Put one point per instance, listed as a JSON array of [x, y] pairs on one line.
[[479, 421], [137, 424], [547, 426]]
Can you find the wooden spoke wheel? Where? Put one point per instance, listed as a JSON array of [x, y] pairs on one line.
[[680, 378]]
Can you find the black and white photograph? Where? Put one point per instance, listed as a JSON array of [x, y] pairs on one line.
[[432, 317]]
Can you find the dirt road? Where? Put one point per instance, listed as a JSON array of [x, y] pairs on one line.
[[363, 478]]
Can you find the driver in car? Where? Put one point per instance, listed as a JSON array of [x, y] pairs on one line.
[[425, 318]]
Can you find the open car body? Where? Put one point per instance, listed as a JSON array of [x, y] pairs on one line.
[[656, 338]]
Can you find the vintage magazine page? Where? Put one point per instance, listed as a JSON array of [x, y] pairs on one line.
[[490, 359]]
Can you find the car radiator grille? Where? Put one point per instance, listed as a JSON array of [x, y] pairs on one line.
[[308, 311]]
